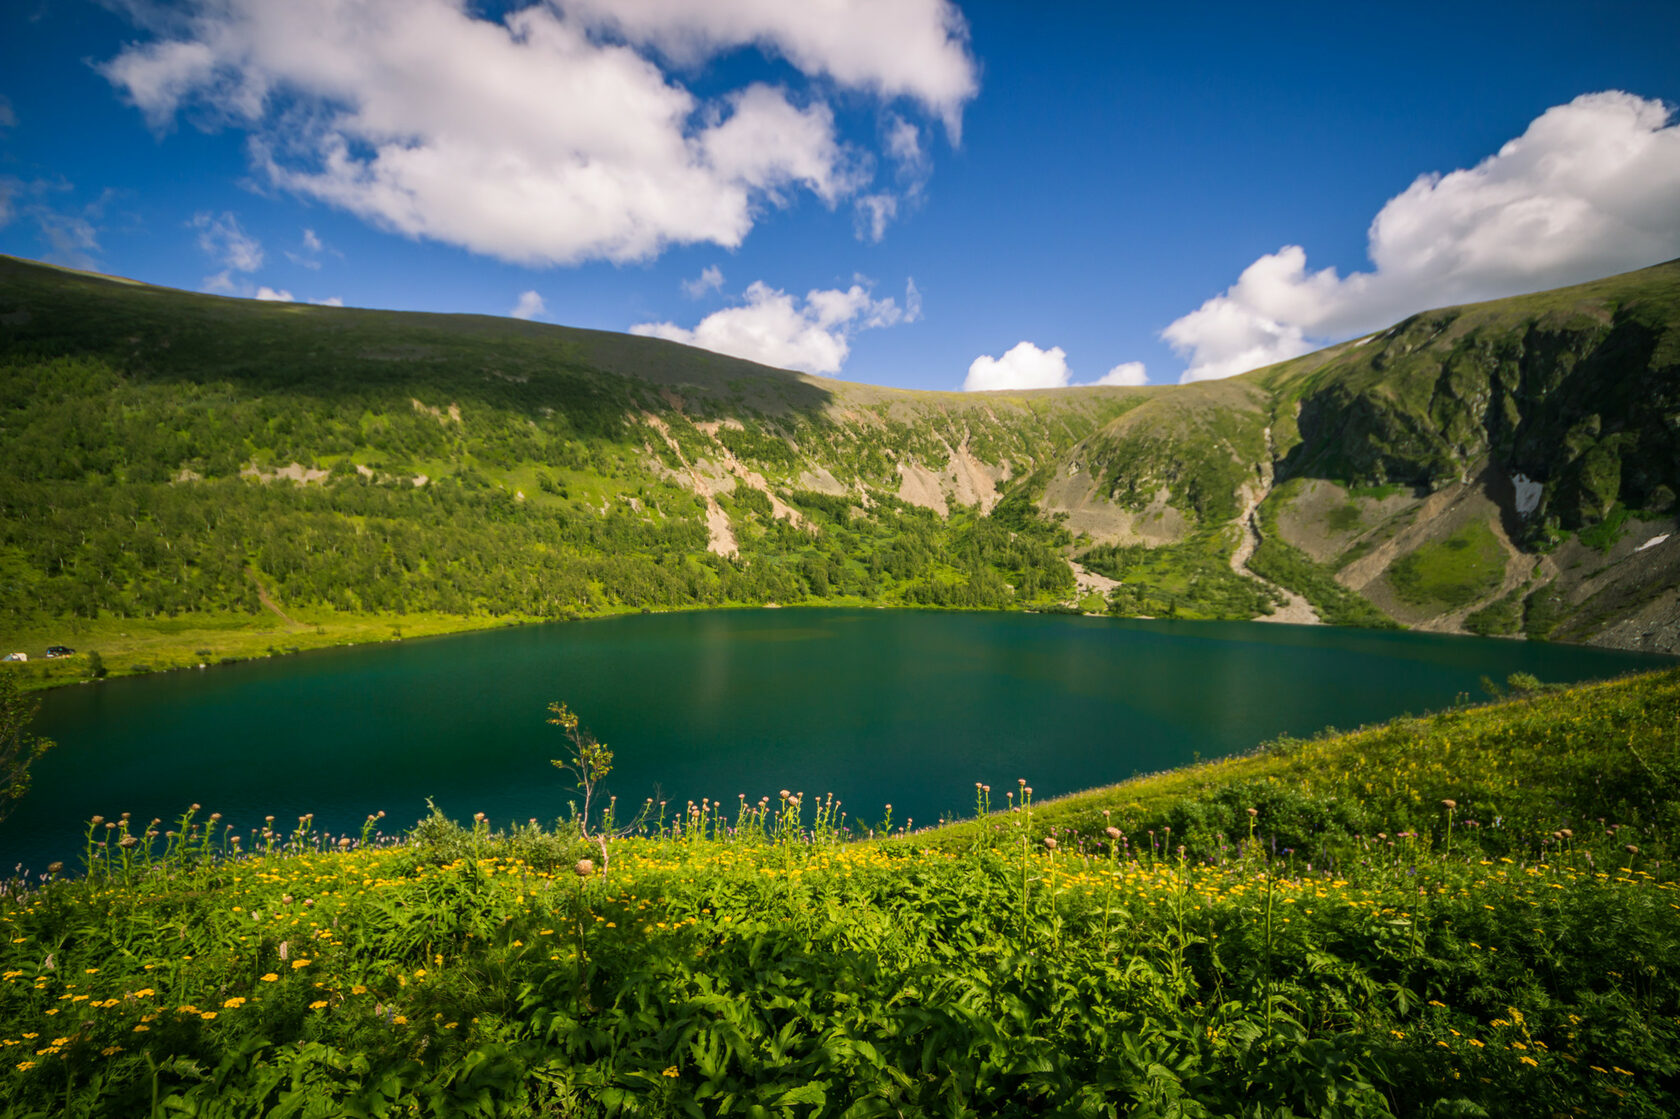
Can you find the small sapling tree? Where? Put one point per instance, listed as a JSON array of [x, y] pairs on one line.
[[588, 761]]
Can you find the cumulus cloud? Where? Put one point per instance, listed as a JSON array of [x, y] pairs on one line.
[[270, 295], [1128, 373], [1589, 189], [1025, 366], [915, 49], [775, 328], [530, 305], [710, 279], [329, 301], [548, 137]]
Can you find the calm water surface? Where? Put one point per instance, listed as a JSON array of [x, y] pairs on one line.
[[875, 706]]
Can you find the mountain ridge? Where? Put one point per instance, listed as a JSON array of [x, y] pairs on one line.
[[169, 451]]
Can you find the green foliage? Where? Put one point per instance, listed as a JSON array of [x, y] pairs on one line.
[[1466, 914], [1452, 572], [1500, 618], [588, 760], [1605, 533], [1189, 580], [1288, 566], [18, 748]]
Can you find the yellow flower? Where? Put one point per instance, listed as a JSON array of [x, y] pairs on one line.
[[400, 1020], [141, 1028], [110, 1051], [207, 1015], [270, 977], [24, 1066], [317, 1004], [358, 989], [300, 963], [671, 1072], [234, 1003]]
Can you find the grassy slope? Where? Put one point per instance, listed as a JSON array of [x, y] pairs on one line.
[[129, 416], [1353, 958], [133, 416]]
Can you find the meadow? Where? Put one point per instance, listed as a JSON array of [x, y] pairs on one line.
[[1469, 913]]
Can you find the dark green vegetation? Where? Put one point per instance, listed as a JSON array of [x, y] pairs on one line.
[[1189, 580], [189, 478], [19, 749], [1283, 563], [1467, 914], [1455, 571]]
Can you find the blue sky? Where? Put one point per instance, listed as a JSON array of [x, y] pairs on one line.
[[902, 194]]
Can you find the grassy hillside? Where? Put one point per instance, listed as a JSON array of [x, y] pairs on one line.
[[189, 478], [176, 461], [1468, 914]]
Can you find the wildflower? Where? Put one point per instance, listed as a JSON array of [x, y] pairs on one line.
[[207, 1015], [671, 1072], [1112, 832], [1049, 843], [300, 962], [25, 1066], [318, 1004], [1450, 803], [270, 977], [585, 867], [110, 1051], [1530, 1061], [234, 1003]]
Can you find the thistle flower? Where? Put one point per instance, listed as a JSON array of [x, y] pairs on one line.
[[1450, 803], [584, 868], [1049, 843], [1111, 831]]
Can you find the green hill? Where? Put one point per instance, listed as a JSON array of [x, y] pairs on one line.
[[189, 478], [1468, 914]]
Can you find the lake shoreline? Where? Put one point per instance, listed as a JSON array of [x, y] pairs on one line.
[[148, 647]]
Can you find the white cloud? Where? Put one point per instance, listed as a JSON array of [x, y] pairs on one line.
[[1025, 366], [1589, 189], [710, 279], [271, 295], [329, 301], [872, 213], [8, 118], [775, 328], [917, 49], [530, 305], [541, 139], [309, 253], [1128, 373], [225, 242]]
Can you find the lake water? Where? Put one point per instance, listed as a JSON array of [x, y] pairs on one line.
[[875, 706]]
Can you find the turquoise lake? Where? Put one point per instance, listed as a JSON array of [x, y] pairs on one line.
[[876, 706]]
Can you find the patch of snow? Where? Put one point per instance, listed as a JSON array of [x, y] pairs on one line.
[[1653, 542], [1528, 494]]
